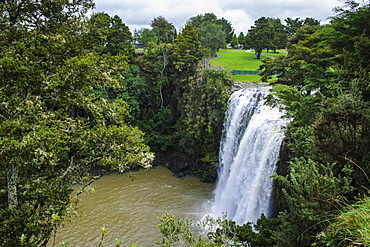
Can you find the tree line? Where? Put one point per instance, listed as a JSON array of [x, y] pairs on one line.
[[322, 184], [76, 101]]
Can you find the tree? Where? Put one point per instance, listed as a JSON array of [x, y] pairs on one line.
[[211, 36], [242, 40], [43, 16], [146, 36], [110, 34], [292, 25], [227, 28], [279, 35], [120, 39], [53, 129], [178, 232], [165, 30], [158, 67], [259, 36], [207, 31], [329, 131], [234, 41], [196, 21], [187, 51], [306, 66]]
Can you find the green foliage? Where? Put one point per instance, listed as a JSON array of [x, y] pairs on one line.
[[295, 104], [261, 234], [306, 67], [211, 36], [267, 33], [52, 129], [165, 31], [227, 28], [292, 25], [242, 40], [224, 232], [312, 192], [177, 86], [109, 34], [146, 36], [219, 231], [163, 121], [341, 130], [351, 227], [187, 51], [350, 23], [204, 108], [185, 142], [196, 21], [178, 232], [323, 86], [214, 33], [130, 96]]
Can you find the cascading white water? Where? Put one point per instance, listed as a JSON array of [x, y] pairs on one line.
[[249, 151]]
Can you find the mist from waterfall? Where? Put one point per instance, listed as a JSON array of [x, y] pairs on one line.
[[249, 152]]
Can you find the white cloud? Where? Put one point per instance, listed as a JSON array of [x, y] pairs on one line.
[[241, 13]]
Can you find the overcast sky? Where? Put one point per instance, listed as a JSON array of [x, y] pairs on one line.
[[241, 13]]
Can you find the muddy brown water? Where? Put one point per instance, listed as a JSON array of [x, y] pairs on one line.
[[129, 208]]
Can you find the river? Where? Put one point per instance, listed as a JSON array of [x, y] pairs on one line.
[[129, 208]]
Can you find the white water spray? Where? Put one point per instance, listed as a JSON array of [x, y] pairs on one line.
[[249, 151]]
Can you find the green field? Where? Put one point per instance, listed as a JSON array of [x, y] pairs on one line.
[[237, 60], [277, 53], [241, 60]]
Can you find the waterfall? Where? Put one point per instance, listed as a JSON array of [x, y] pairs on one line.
[[249, 151]]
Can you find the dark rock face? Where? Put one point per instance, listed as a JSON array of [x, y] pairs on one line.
[[182, 165], [286, 155]]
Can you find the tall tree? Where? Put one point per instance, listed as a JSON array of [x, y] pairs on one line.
[[292, 25], [234, 41], [146, 37], [279, 35], [53, 128], [196, 21], [187, 51], [227, 28], [309, 21], [120, 38], [241, 39], [212, 37], [267, 33], [108, 35], [165, 30], [224, 25], [259, 36], [307, 55]]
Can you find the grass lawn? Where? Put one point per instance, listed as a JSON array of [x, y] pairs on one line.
[[247, 78], [283, 52], [241, 60], [236, 60]]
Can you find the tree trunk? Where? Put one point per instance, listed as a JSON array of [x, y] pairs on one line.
[[258, 54], [12, 177]]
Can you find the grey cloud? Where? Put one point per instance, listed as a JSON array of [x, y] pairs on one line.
[[141, 13]]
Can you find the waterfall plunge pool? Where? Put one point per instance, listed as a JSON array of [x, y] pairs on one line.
[[129, 208]]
